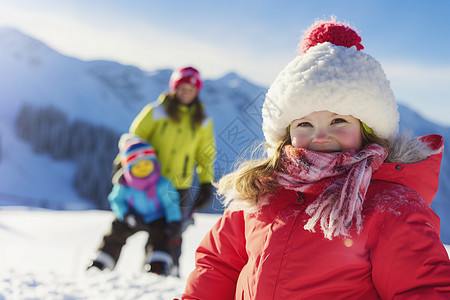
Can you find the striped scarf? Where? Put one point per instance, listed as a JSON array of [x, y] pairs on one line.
[[340, 178]]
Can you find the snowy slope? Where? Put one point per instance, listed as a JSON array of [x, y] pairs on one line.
[[44, 255], [110, 94]]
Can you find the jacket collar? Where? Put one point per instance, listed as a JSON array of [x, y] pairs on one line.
[[421, 176]]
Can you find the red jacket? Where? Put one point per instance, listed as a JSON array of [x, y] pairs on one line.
[[266, 254]]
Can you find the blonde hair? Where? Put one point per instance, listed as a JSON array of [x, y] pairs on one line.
[[254, 177]]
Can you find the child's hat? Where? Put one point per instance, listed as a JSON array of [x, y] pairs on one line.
[[185, 75], [134, 149], [330, 73]]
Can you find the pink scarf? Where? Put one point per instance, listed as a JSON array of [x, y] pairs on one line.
[[143, 184], [340, 179]]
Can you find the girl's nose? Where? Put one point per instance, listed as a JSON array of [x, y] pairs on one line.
[[321, 136]]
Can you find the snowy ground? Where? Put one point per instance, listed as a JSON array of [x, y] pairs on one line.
[[44, 253]]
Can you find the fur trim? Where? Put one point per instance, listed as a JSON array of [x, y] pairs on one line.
[[406, 149]]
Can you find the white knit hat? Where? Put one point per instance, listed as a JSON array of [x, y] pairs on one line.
[[340, 79]]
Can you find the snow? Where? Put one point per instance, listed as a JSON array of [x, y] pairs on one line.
[[44, 254]]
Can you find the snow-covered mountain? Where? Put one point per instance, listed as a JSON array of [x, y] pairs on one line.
[[60, 118]]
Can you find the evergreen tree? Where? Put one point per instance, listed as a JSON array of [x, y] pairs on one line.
[[93, 148]]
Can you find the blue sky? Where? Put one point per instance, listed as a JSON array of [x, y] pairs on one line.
[[254, 38]]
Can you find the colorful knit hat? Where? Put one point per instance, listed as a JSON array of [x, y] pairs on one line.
[[134, 149], [185, 75], [330, 73]]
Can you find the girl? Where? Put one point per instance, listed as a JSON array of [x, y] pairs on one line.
[[339, 209], [142, 200]]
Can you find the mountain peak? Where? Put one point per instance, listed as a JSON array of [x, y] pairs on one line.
[[232, 80], [231, 75], [20, 46]]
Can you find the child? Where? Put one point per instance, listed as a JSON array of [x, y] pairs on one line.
[[340, 207], [142, 200]]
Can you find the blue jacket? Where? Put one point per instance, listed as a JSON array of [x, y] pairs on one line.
[[124, 199]]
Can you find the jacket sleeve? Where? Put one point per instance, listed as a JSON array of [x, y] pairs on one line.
[[170, 200], [143, 123], [206, 153], [408, 259], [118, 202], [219, 260]]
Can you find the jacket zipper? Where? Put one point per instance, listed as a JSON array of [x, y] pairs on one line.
[[164, 126], [186, 159]]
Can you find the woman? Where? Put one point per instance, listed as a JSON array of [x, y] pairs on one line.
[[182, 135]]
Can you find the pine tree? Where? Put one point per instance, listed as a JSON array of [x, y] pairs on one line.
[[93, 148]]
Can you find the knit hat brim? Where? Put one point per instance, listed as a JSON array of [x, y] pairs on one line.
[[334, 78], [133, 149]]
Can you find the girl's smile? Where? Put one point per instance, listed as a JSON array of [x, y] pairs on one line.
[[142, 168], [325, 131]]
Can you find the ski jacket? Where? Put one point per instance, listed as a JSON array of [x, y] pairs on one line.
[[179, 146], [124, 199], [263, 251]]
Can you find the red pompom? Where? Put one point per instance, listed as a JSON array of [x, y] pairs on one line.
[[338, 34]]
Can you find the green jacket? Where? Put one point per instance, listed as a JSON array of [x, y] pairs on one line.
[[179, 147]]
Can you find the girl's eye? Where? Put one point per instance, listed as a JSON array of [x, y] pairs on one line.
[[304, 124], [338, 120]]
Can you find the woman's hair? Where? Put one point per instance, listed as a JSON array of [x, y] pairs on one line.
[[172, 109], [254, 177]]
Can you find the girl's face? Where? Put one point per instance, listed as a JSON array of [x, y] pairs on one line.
[[325, 131], [142, 168], [186, 93]]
